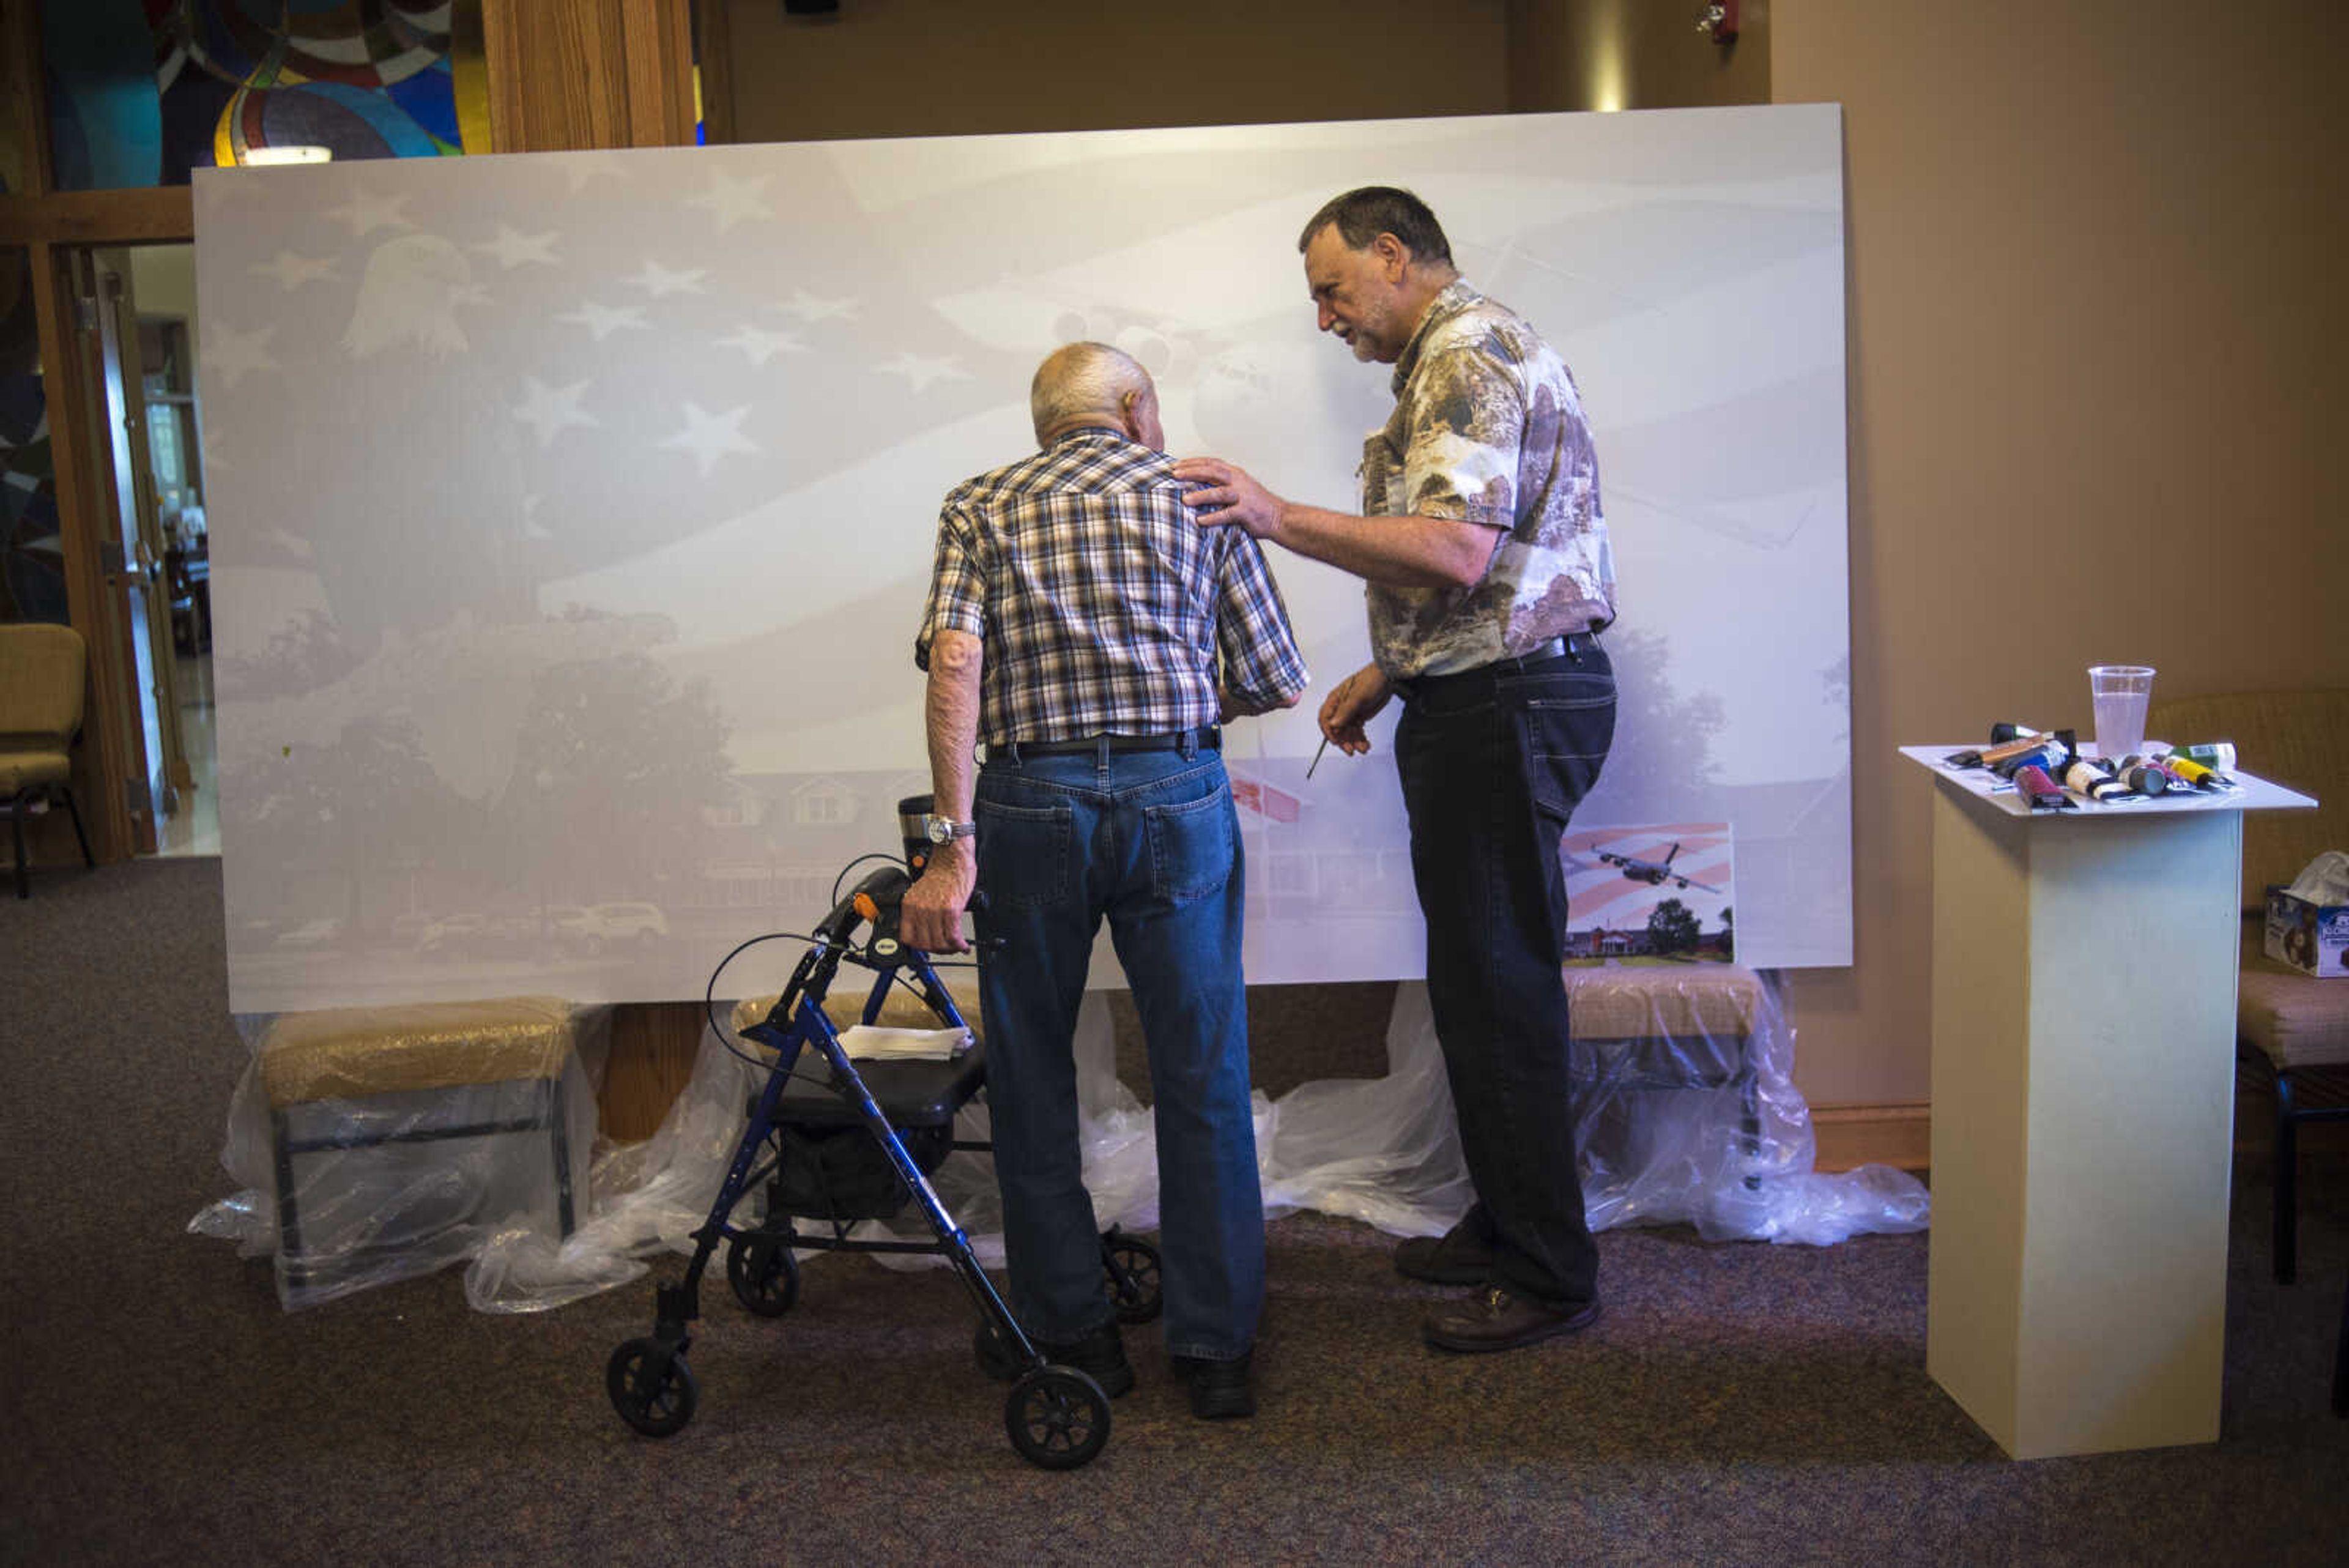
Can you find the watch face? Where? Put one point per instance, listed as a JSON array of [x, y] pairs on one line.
[[940, 830]]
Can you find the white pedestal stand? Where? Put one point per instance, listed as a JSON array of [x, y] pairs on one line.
[[2083, 1036]]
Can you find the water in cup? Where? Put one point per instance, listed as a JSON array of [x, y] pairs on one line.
[[2119, 693]]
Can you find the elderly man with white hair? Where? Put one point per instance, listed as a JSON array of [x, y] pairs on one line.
[[1094, 640]]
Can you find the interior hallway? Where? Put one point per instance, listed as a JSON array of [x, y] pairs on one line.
[[194, 828]]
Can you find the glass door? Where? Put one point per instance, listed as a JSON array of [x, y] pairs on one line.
[[134, 546], [165, 284]]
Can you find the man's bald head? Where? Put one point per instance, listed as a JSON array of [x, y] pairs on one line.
[[1093, 384]]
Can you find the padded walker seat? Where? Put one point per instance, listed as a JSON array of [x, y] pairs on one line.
[[910, 1093], [352, 1078], [828, 1166], [41, 674]]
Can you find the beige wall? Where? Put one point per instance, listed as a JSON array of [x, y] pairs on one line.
[[163, 280], [1610, 54], [2096, 336], [940, 67]]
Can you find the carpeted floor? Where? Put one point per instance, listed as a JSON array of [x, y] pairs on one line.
[[1744, 1404]]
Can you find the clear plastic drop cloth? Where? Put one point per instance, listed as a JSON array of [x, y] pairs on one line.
[[652, 1195], [1682, 1110], [1119, 1146], [1117, 1140], [1685, 1112], [1684, 1106], [644, 1199], [1383, 1151]]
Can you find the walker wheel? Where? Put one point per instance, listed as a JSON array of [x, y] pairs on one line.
[[1132, 1266], [764, 1275], [1057, 1418], [651, 1387]]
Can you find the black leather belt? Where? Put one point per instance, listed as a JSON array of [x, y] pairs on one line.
[[1573, 645], [1207, 738]]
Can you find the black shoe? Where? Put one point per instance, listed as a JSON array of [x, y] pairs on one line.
[[1100, 1355], [1219, 1389], [1455, 1258], [1495, 1320]]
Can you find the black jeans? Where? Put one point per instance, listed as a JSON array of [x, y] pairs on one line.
[[1494, 762]]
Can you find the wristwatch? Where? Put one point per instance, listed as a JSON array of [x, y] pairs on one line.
[[946, 829]]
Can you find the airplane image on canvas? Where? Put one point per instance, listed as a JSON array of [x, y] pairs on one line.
[[1656, 894], [1653, 872]]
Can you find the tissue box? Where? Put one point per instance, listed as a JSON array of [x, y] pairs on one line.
[[2311, 938]]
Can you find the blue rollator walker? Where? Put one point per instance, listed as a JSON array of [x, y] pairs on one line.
[[1057, 1417]]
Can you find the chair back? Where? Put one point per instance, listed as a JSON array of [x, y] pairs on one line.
[[2297, 739], [41, 674]]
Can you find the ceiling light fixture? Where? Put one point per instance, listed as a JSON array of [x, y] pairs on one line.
[[300, 152]]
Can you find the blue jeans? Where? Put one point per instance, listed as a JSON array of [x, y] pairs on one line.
[[1151, 840], [1494, 762]]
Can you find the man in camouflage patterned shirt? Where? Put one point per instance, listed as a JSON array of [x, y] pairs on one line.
[[1489, 576]]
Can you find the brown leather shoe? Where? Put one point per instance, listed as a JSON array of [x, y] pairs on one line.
[[1455, 1258], [1495, 1320]]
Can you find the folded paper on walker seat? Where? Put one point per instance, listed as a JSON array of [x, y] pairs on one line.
[[879, 1042]]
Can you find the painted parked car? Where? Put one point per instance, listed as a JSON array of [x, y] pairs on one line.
[[624, 923], [325, 933]]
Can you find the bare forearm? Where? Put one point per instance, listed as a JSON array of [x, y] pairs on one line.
[[1413, 552], [951, 715], [1397, 552]]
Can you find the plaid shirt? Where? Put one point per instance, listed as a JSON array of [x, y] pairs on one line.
[[1100, 604]]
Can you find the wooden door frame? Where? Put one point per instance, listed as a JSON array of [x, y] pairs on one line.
[[49, 225]]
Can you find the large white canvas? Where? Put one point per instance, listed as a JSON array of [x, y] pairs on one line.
[[573, 513]]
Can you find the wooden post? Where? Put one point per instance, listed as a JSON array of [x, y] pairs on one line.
[[653, 1047], [595, 74]]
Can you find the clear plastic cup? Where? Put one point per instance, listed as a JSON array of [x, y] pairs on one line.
[[2119, 693]]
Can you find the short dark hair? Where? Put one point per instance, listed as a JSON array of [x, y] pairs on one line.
[[1364, 215]]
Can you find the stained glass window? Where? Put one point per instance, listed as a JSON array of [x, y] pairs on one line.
[[142, 91], [32, 560]]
